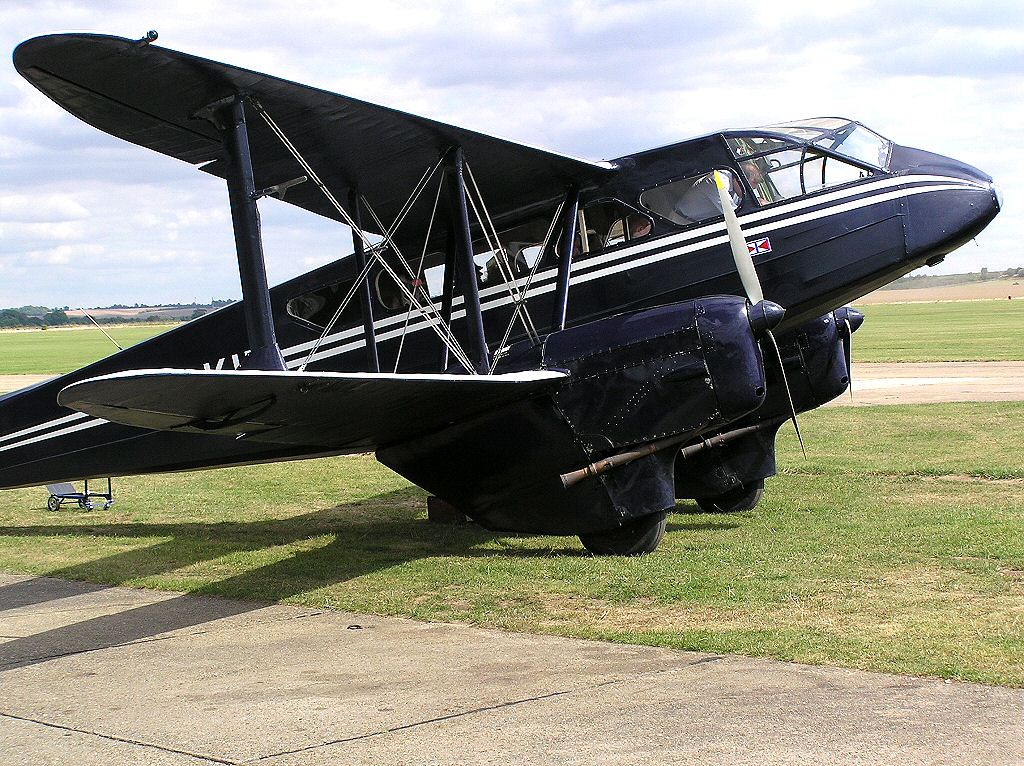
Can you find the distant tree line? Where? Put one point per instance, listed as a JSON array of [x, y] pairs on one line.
[[44, 316], [216, 303], [944, 280], [49, 318]]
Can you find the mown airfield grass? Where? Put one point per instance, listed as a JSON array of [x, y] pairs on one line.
[[898, 546], [56, 351], [967, 331], [948, 331]]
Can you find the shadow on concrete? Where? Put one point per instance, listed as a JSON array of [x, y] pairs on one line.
[[344, 542], [360, 539]]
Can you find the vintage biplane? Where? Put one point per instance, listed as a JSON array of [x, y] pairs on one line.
[[548, 344]]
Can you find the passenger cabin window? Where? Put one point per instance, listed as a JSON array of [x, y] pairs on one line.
[[608, 223], [501, 265], [692, 199], [318, 306], [390, 296]]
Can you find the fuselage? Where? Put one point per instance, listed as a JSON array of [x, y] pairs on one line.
[[826, 225], [817, 248]]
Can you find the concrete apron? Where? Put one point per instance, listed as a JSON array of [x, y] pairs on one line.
[[95, 675]]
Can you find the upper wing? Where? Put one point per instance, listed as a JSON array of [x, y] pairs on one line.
[[149, 95], [345, 411]]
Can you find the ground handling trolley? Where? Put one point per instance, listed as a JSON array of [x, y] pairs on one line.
[[65, 493]]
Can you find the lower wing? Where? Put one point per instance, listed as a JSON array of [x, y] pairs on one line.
[[336, 410]]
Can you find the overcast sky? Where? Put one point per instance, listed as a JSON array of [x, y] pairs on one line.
[[86, 219]]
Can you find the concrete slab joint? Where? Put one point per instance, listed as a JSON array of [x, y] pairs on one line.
[[94, 675]]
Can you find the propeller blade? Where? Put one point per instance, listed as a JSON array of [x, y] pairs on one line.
[[848, 351], [789, 396], [740, 254], [752, 285]]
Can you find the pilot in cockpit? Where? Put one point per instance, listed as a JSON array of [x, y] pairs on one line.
[[701, 201]]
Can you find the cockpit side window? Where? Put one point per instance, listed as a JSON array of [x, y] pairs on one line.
[[794, 172], [691, 200]]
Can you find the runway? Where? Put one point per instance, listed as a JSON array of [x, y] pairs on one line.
[[98, 675], [931, 382]]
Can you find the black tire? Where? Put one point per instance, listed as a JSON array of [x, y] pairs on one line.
[[53, 503], [742, 498], [633, 539]]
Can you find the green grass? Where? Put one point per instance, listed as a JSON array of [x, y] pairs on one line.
[[880, 552], [43, 352], [910, 332], [967, 331]]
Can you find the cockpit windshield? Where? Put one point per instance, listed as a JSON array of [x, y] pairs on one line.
[[839, 135], [803, 157]]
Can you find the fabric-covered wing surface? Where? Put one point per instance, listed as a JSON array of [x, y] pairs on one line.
[[149, 95], [343, 411]]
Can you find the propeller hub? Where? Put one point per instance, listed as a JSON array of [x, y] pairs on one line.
[[848, 315], [764, 316]]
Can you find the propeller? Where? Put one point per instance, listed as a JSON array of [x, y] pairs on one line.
[[752, 285], [849, 320]]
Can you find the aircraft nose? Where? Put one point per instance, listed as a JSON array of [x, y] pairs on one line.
[[947, 202], [998, 194]]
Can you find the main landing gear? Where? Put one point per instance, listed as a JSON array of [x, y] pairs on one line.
[[633, 539], [742, 498]]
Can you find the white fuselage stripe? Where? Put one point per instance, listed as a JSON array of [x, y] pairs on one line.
[[585, 270], [586, 264], [619, 260], [62, 432], [42, 426]]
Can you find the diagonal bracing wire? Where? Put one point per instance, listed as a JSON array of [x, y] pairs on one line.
[[529, 281], [434, 315], [501, 258], [375, 252], [419, 272], [337, 315]]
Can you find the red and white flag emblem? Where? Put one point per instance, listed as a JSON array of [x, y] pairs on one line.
[[758, 246]]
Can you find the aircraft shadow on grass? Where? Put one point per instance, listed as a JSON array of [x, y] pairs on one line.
[[361, 544]]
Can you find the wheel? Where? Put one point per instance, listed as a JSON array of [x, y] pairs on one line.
[[742, 498], [81, 504], [53, 503], [633, 539]]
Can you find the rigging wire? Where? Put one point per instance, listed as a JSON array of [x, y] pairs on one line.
[[337, 314], [419, 271], [119, 346], [435, 320], [529, 280], [375, 253], [501, 259]]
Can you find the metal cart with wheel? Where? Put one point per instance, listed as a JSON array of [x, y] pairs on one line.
[[64, 492]]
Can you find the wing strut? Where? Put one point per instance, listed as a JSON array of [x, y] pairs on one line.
[[467, 268], [265, 354], [444, 332], [565, 264], [372, 360]]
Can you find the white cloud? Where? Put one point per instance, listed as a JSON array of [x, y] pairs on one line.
[[589, 78], [24, 208], [63, 254]]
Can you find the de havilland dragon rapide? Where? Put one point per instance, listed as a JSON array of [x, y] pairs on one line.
[[550, 345]]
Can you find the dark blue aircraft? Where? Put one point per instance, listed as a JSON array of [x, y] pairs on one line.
[[548, 344]]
